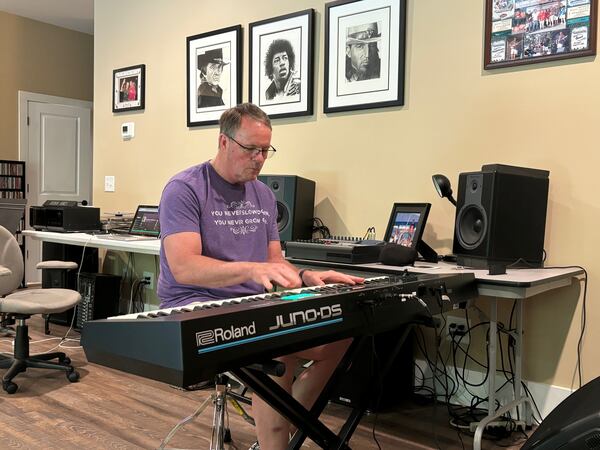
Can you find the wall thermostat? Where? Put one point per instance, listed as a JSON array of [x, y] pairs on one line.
[[127, 130]]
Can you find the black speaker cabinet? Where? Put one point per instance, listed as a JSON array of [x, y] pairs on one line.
[[295, 205], [572, 425], [62, 279], [501, 216], [362, 384]]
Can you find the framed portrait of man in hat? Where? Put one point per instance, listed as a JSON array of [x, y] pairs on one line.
[[364, 54], [214, 79], [281, 64]]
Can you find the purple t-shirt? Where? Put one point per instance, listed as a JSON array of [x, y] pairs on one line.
[[236, 222]]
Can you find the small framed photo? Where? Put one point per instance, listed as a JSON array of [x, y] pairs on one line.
[[521, 32], [129, 88], [364, 54], [214, 74], [281, 64]]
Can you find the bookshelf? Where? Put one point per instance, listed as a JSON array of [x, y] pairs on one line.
[[12, 199], [12, 179]]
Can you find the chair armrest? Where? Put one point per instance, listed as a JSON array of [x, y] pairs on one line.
[[64, 265], [5, 271]]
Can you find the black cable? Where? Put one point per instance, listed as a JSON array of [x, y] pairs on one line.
[[375, 365], [319, 227], [470, 414]]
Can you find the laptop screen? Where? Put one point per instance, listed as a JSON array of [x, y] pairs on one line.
[[145, 221]]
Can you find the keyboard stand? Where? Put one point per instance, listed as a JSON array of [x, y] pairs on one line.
[[307, 422]]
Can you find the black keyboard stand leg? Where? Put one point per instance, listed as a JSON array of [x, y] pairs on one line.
[[358, 411], [288, 407], [307, 422], [323, 399]]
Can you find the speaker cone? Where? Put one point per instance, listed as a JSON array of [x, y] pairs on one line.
[[471, 226], [283, 216]]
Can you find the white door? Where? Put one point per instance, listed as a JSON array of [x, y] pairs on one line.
[[58, 162]]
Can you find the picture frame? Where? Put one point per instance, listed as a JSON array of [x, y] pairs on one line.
[[214, 74], [129, 88], [364, 54], [407, 224], [519, 32], [282, 87]]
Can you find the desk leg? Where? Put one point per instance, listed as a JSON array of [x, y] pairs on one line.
[[518, 396], [492, 346]]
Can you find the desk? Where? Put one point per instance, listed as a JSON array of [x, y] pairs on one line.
[[148, 247], [517, 284]]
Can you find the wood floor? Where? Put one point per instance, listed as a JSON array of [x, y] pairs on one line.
[[108, 409]]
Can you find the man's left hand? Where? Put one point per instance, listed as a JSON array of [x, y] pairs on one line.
[[317, 278]]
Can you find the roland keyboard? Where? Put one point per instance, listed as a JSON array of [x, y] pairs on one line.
[[185, 345]]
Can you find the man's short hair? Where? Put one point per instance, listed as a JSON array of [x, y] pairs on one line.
[[279, 46], [231, 119]]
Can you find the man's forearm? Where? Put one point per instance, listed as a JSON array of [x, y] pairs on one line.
[[212, 273]]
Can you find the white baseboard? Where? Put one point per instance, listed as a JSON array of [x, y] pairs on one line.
[[546, 396]]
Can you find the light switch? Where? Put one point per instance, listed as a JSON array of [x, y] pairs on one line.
[[109, 183]]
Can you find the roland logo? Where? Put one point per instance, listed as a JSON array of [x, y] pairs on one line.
[[306, 316], [219, 335]]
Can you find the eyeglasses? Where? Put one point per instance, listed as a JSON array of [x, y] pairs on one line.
[[255, 151]]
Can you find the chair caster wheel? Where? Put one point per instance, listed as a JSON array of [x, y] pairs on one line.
[[73, 376], [66, 360], [9, 387]]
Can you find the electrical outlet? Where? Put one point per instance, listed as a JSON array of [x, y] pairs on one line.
[[150, 276], [457, 330]]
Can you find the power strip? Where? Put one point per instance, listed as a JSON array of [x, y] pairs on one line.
[[505, 425]]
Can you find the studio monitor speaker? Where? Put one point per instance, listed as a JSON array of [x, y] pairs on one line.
[[572, 425], [295, 205], [501, 217]]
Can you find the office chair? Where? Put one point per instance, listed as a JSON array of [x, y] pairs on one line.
[[21, 305], [58, 273]]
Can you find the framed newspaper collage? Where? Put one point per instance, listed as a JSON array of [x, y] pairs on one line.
[[530, 31]]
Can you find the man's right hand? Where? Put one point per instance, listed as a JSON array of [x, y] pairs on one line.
[[281, 274]]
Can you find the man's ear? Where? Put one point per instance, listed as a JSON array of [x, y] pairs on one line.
[[222, 141], [348, 51]]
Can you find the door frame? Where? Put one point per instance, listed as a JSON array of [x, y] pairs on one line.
[[26, 97], [23, 136]]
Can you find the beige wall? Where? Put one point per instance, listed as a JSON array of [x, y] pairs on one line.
[[456, 117], [41, 58]]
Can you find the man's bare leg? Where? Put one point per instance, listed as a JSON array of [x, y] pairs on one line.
[[272, 429]]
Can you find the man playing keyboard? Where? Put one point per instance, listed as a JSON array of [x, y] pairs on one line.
[[220, 240]]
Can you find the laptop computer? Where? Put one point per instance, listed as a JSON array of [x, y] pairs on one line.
[[144, 226]]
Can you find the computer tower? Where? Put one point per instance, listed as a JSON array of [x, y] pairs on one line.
[[501, 216], [295, 205], [100, 295], [52, 278], [362, 385]]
